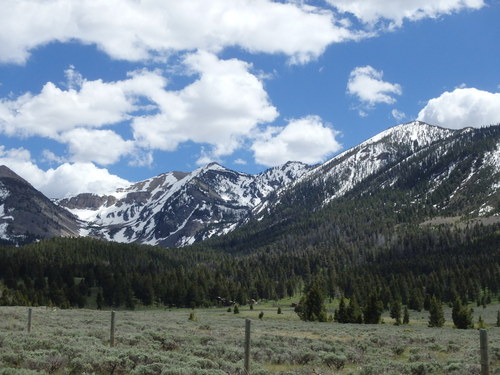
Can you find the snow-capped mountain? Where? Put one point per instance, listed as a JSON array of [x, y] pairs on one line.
[[443, 166], [27, 215], [439, 171], [177, 209]]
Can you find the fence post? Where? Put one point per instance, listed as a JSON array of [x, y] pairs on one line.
[[112, 332], [30, 313], [485, 362], [247, 346]]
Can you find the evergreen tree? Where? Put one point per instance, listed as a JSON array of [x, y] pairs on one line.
[[99, 300], [373, 310], [312, 306], [498, 318], [461, 315], [436, 316], [406, 316], [340, 314], [354, 313], [396, 311]]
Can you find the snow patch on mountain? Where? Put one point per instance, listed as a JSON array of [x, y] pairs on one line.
[[179, 208]]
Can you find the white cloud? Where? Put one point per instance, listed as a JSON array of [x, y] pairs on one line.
[[461, 108], [71, 116], [396, 11], [306, 139], [101, 146], [398, 115], [132, 30], [367, 85], [240, 161], [65, 180], [53, 110], [220, 108]]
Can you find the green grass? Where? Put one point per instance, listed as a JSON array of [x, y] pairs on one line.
[[160, 341]]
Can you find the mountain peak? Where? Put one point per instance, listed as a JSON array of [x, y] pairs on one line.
[[6, 172]]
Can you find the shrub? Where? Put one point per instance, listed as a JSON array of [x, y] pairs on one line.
[[192, 317], [336, 361]]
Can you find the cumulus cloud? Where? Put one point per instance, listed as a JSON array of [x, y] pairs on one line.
[[396, 11], [307, 139], [74, 116], [461, 108], [220, 108], [65, 180], [367, 85], [132, 30], [54, 110], [101, 146]]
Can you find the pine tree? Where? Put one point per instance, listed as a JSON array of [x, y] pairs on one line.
[[406, 316], [373, 310], [354, 313], [396, 311], [311, 306], [99, 300], [436, 317], [461, 315], [340, 314]]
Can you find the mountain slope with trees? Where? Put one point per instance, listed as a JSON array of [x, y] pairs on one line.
[[420, 226]]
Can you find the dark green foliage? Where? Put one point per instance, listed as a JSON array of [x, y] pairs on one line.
[[340, 315], [406, 316], [354, 313], [373, 310], [279, 311], [498, 318], [261, 315], [350, 313], [436, 316], [461, 315], [312, 306], [369, 242], [396, 311], [236, 309]]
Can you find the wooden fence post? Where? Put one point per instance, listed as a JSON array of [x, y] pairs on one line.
[[112, 332], [247, 346], [485, 362], [30, 313]]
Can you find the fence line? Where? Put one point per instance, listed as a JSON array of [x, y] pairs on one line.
[[483, 341]]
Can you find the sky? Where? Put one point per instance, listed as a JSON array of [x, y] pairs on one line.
[[97, 94]]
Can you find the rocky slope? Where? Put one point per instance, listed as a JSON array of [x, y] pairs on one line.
[[441, 172], [177, 209], [26, 214]]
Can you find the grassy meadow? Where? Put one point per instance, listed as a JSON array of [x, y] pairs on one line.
[[159, 341]]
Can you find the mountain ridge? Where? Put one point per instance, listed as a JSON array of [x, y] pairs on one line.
[[177, 209]]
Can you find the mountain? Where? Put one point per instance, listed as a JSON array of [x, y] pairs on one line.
[[417, 172], [408, 176], [178, 209], [26, 214]]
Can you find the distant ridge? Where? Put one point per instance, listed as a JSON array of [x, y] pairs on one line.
[[446, 172]]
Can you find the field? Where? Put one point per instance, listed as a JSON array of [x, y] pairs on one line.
[[167, 342]]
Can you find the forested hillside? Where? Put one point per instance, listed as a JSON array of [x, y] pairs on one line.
[[423, 225]]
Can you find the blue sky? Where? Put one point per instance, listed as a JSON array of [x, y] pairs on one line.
[[96, 94]]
